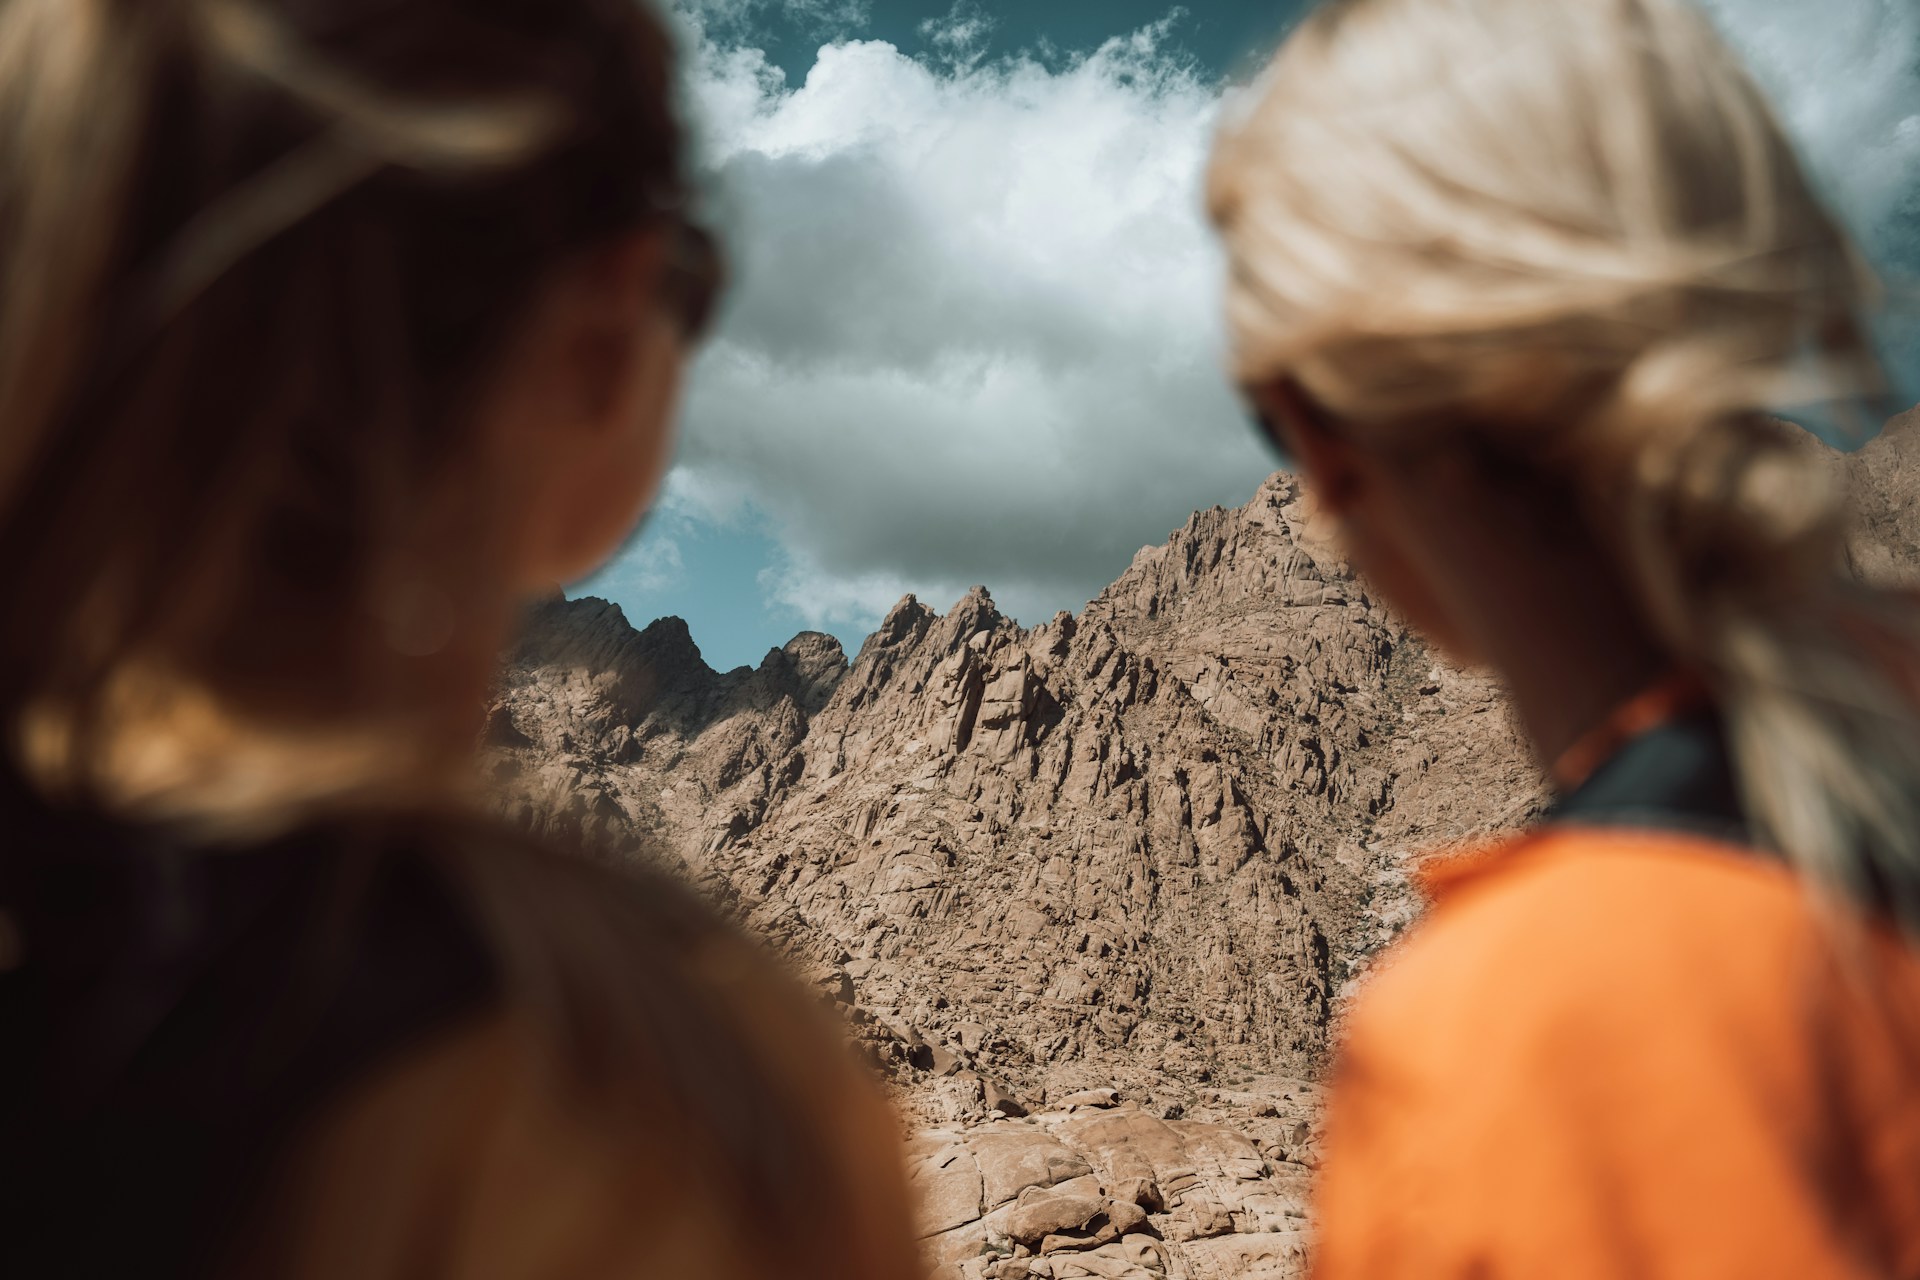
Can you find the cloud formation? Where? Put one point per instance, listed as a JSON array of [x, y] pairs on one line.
[[734, 19], [960, 38], [975, 337], [1845, 76]]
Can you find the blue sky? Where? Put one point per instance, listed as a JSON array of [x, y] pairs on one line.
[[1229, 39], [974, 338]]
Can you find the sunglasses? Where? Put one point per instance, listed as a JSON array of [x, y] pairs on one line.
[[693, 278]]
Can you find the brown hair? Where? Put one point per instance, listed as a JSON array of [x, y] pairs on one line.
[[258, 253]]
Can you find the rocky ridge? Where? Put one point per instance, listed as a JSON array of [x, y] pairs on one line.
[[1080, 889], [1150, 842]]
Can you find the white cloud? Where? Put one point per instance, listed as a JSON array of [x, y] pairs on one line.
[[734, 17], [975, 338], [826, 601], [1845, 75], [653, 564], [654, 560], [960, 38]]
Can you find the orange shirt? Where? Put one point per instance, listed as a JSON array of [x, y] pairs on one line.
[[1611, 1052]]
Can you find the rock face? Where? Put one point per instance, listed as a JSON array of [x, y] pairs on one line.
[[1885, 480], [1147, 845], [1089, 892]]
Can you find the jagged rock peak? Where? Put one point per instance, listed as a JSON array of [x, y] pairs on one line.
[[1250, 557], [812, 664], [589, 635], [1281, 485], [668, 646], [972, 614], [583, 624], [590, 642], [668, 634], [902, 628], [903, 620], [815, 648]]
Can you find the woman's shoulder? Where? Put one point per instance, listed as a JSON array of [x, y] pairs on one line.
[[620, 962], [587, 1035], [478, 891], [1591, 935], [1608, 877], [640, 1050]]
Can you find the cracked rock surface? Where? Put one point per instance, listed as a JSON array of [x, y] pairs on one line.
[[1140, 847]]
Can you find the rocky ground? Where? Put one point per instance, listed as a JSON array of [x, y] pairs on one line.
[[1097, 1185], [1088, 893]]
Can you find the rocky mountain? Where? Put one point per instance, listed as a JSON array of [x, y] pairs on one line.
[[1152, 841], [1115, 870], [1884, 478]]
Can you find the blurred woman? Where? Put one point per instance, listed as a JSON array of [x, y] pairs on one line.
[[333, 333], [1514, 283]]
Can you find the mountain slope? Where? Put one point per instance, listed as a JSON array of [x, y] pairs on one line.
[[1147, 844]]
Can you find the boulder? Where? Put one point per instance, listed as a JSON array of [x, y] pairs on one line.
[[1089, 1098], [1038, 1216], [998, 1099], [947, 1188], [1010, 1162]]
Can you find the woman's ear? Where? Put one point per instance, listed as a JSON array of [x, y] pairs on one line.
[[583, 410], [605, 302], [1330, 464]]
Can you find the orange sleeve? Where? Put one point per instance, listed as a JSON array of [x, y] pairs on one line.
[[1593, 1066]]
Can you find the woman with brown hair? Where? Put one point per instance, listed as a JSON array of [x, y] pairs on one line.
[[1515, 282], [334, 332]]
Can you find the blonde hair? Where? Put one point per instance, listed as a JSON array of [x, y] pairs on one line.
[[1576, 233], [259, 257]]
